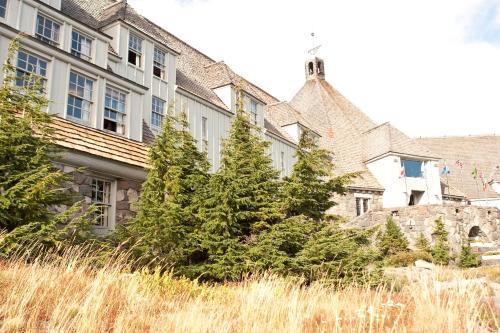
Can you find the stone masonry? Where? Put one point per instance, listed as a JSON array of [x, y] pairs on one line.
[[461, 222]]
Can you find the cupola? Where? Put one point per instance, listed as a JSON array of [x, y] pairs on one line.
[[315, 69]]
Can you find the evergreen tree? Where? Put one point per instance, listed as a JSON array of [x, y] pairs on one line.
[[240, 201], [341, 256], [392, 240], [309, 189], [440, 250], [29, 181], [160, 234], [468, 259], [422, 244]]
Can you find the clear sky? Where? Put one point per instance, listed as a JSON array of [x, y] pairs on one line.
[[430, 67]]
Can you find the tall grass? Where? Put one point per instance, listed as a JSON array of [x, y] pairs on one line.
[[65, 294]]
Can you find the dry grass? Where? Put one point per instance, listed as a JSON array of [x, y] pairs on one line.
[[66, 295]]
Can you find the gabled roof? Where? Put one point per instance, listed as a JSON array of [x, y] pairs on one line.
[[386, 138], [341, 126], [482, 152], [282, 114]]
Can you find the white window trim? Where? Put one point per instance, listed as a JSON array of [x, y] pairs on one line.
[[91, 100], [124, 113], [45, 78], [164, 65], [154, 127], [112, 205], [139, 53], [45, 39], [362, 197], [4, 18], [92, 43]]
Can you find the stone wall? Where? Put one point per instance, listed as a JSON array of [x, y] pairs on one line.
[[459, 221], [346, 204]]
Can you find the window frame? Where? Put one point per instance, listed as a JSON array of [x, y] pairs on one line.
[[89, 99], [44, 38], [161, 66], [4, 9], [43, 77], [419, 173], [137, 50], [155, 114], [204, 133], [250, 110], [362, 205], [79, 53], [120, 119], [106, 219]]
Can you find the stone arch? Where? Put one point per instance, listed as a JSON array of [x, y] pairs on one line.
[[476, 234]]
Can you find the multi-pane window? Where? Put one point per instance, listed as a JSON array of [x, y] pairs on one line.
[[204, 133], [47, 30], [158, 113], [114, 110], [101, 197], [252, 110], [159, 64], [412, 168], [134, 50], [362, 206], [81, 46], [282, 161], [79, 97], [3, 7], [30, 68]]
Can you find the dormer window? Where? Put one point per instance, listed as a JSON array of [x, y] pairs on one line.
[[134, 50], [159, 64], [3, 8], [47, 30], [81, 45]]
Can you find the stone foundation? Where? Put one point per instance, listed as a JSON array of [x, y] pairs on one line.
[[460, 221]]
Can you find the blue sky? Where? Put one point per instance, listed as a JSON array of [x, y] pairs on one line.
[[431, 67]]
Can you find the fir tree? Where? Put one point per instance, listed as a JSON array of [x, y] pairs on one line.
[[440, 250], [468, 259], [392, 240], [29, 181], [422, 244], [160, 234], [309, 189], [241, 200]]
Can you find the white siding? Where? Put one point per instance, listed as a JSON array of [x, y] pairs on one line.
[[277, 147]]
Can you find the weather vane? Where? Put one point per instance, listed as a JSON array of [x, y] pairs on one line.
[[315, 48]]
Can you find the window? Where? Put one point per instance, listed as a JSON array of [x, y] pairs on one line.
[[159, 64], [412, 168], [252, 110], [3, 7], [101, 197], [79, 97], [204, 133], [282, 160], [114, 110], [81, 46], [362, 206], [157, 115], [134, 50], [29, 68], [47, 30]]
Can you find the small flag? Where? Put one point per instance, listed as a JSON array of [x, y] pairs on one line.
[[474, 173], [402, 172], [446, 170], [459, 164]]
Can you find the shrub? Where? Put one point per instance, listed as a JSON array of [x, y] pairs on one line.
[[405, 259], [467, 258], [392, 240], [441, 249]]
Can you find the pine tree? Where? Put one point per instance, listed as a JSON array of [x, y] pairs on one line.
[[241, 200], [392, 240], [440, 250], [309, 189], [422, 244], [468, 259], [160, 234], [29, 181]]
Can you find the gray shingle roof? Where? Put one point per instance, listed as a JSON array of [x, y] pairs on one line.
[[482, 152]]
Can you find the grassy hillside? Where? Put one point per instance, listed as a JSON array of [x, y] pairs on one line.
[[66, 295]]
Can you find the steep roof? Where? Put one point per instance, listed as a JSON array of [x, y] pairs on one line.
[[340, 124], [482, 152]]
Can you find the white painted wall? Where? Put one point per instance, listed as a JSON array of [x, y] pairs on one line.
[[278, 149], [397, 190], [486, 202], [294, 131]]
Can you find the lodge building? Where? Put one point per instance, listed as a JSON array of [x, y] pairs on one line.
[[111, 75]]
